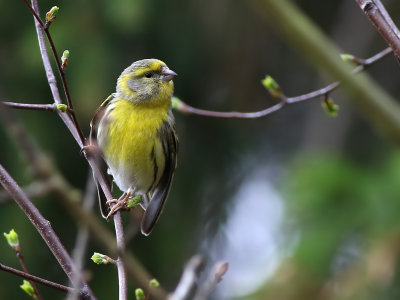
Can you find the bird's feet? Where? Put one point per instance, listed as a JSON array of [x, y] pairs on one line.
[[118, 204]]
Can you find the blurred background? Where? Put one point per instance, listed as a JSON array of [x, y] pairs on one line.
[[301, 205]]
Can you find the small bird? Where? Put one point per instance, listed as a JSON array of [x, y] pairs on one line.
[[134, 131]]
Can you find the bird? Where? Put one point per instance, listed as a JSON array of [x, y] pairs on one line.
[[134, 133]]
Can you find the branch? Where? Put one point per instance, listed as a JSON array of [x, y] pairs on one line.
[[379, 17], [43, 227], [46, 171], [377, 106], [363, 64], [40, 280], [15, 105], [40, 27]]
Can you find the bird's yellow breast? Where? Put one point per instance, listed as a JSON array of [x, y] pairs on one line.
[[128, 137]]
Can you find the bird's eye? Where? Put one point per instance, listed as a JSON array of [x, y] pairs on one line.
[[148, 74]]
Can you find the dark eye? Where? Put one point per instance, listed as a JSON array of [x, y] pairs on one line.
[[148, 74]]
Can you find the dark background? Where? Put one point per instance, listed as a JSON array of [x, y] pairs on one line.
[[301, 205]]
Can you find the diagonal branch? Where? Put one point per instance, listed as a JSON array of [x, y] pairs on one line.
[[44, 228], [379, 17]]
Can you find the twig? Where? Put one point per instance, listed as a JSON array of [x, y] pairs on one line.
[[379, 17], [364, 63], [215, 277], [45, 170], [35, 11], [379, 108], [16, 105], [188, 279], [22, 263], [119, 232], [43, 227], [37, 279], [33, 190]]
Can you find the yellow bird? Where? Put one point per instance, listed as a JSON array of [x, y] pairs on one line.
[[134, 129]]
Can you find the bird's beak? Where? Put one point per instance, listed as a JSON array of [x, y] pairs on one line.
[[168, 75]]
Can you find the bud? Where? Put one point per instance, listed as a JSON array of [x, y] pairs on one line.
[[272, 87], [62, 107], [132, 202], [139, 294], [12, 240], [64, 59], [351, 59], [330, 107], [28, 288], [51, 14], [176, 103], [154, 283], [102, 259]]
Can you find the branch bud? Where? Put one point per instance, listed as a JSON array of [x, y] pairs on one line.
[[28, 288], [139, 294], [51, 14], [154, 283], [176, 103], [330, 107], [132, 202], [272, 87], [64, 59], [351, 59], [62, 107], [102, 259], [12, 240]]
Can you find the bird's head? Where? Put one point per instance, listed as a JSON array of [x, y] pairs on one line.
[[146, 81]]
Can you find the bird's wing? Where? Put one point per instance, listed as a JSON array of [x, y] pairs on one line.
[[102, 165], [170, 145]]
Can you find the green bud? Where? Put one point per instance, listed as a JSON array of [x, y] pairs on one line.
[[101, 259], [65, 59], [272, 87], [139, 294], [350, 58], [28, 288], [12, 239], [62, 107], [176, 103], [51, 14], [330, 107], [154, 283], [132, 202]]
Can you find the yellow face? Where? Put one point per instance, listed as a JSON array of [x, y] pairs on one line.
[[146, 81]]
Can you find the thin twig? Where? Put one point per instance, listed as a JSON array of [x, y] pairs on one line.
[[119, 232], [16, 105], [23, 265], [35, 10], [44, 228], [379, 17], [364, 63], [37, 279]]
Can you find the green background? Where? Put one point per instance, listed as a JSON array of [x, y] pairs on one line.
[[301, 205]]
